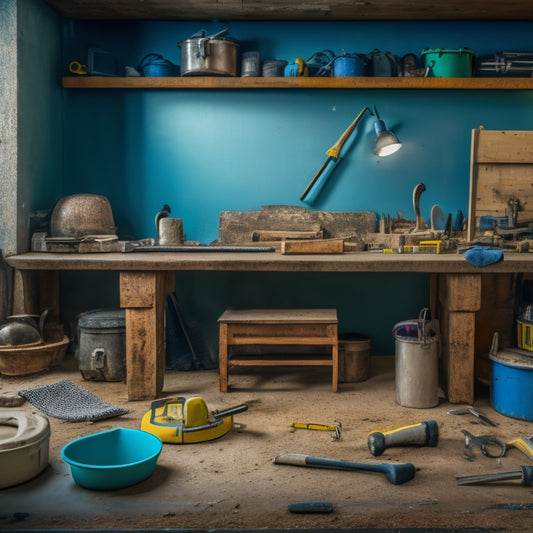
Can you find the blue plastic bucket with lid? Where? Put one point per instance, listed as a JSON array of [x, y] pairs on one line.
[[349, 65], [512, 383], [443, 63]]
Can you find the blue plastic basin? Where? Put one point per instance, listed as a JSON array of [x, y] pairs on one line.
[[112, 459]]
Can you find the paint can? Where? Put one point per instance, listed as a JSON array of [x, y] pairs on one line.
[[250, 64]]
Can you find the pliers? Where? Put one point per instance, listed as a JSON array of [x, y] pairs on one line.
[[470, 410]]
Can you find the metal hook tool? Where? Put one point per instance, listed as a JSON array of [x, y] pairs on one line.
[[490, 446]]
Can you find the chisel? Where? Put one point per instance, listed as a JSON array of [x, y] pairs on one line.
[[525, 474]]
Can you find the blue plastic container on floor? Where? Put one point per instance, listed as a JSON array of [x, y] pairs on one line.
[[113, 459], [512, 383]]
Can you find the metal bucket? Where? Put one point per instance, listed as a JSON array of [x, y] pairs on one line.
[[417, 363], [208, 56], [101, 345]]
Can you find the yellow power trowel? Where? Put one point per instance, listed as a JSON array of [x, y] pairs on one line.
[[187, 421]]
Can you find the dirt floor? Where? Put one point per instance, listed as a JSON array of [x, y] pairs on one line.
[[232, 482]]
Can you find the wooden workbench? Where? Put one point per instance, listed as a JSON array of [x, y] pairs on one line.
[[146, 278]]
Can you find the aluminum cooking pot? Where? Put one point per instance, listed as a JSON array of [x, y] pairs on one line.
[[208, 56]]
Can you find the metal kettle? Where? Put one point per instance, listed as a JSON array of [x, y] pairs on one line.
[[19, 330]]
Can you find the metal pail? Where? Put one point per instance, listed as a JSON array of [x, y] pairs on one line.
[[101, 349], [417, 372]]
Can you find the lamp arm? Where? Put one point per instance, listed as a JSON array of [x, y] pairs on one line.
[[337, 147]]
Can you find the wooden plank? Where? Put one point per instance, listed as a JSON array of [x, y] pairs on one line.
[[325, 246], [344, 10], [496, 313], [279, 316], [311, 341], [273, 235], [472, 204], [501, 170], [460, 357], [346, 82], [266, 262], [505, 147], [499, 183], [223, 357], [464, 292], [267, 361], [244, 332]]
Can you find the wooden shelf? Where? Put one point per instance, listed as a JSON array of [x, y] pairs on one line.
[[214, 82], [290, 10]]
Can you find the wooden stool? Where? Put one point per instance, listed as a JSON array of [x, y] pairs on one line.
[[311, 327]]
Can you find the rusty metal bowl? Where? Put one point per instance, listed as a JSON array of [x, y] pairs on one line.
[[82, 214]]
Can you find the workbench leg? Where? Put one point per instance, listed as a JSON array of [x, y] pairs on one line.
[[143, 295], [49, 299], [223, 357], [335, 366], [24, 291], [35, 292], [460, 298]]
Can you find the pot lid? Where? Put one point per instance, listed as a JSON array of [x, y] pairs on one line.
[[103, 318], [514, 357], [20, 427]]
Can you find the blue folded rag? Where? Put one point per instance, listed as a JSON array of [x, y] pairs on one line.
[[483, 255]]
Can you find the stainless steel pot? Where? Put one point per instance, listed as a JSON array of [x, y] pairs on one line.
[[208, 56]]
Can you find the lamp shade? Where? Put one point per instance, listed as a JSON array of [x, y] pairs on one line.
[[386, 143]]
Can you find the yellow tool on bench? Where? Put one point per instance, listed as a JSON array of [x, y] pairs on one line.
[[187, 421], [524, 445]]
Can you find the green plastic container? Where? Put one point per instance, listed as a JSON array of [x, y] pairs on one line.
[[444, 63]]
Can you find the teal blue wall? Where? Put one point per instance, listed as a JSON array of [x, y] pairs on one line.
[[39, 107], [205, 151]]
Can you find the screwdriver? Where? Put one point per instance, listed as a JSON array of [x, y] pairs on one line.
[[525, 474]]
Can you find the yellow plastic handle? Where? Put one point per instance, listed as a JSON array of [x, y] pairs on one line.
[[77, 68]]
